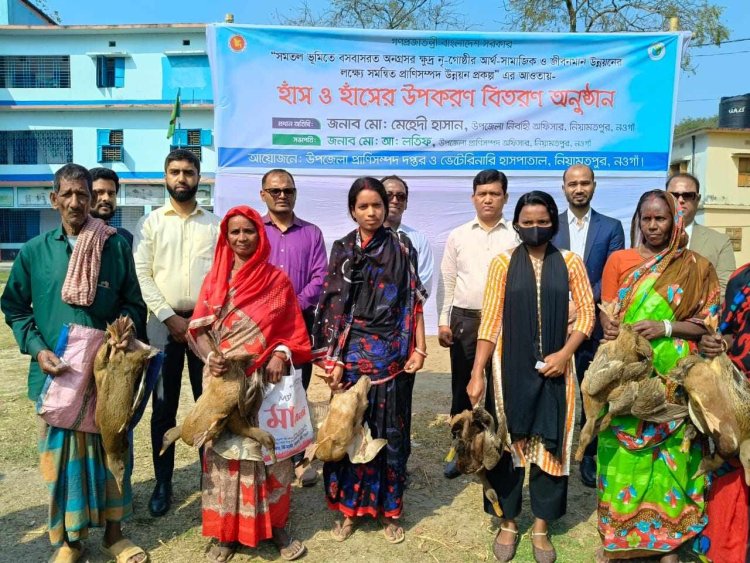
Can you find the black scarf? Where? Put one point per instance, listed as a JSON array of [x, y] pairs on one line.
[[534, 404]]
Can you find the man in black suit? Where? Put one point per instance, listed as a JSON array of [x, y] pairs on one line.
[[593, 237]]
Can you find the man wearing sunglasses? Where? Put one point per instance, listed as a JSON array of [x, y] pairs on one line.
[[297, 248], [398, 199], [712, 245]]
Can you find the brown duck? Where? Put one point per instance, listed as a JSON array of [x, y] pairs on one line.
[[119, 373]]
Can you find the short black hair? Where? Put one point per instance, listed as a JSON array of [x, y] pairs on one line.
[[72, 172], [276, 171], [182, 154], [538, 197], [100, 173], [398, 179], [580, 165], [367, 183], [687, 176], [490, 176]]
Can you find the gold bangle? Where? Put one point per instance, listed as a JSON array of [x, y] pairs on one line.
[[724, 346], [420, 352]]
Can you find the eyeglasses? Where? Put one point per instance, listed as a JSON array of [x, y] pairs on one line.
[[399, 196], [276, 192], [687, 196]]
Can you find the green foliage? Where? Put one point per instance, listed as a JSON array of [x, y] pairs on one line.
[[692, 123], [700, 17], [380, 14]]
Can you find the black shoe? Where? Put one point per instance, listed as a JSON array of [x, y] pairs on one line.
[[588, 471], [450, 471], [161, 499]]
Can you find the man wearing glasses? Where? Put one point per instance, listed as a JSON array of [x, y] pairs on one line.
[[398, 199], [712, 245], [297, 247]]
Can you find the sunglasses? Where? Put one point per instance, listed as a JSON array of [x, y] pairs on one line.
[[400, 197], [276, 192], [686, 196]]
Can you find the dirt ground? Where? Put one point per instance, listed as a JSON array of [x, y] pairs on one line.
[[443, 519]]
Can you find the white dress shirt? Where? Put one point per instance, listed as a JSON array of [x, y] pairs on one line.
[[172, 256], [466, 261], [578, 232], [689, 231], [425, 261]]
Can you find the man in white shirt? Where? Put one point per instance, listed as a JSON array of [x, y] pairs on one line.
[[463, 276], [398, 200], [173, 250]]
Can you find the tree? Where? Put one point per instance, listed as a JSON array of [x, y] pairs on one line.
[[380, 14], [698, 16], [694, 123]]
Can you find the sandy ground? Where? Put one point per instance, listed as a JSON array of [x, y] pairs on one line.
[[443, 519]]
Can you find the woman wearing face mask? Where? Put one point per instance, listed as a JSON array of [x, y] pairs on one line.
[[533, 383]]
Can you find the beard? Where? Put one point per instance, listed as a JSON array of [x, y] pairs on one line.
[[183, 195], [105, 214]]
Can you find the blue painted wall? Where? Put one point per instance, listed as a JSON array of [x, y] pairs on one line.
[[190, 74], [14, 12]]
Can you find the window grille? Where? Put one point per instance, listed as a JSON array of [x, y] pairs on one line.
[[193, 140], [35, 71], [43, 146], [743, 169], [18, 225], [127, 217], [109, 145]]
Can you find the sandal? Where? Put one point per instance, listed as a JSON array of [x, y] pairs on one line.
[[505, 552], [543, 555], [124, 550], [66, 554], [342, 531], [221, 552], [307, 476], [289, 549], [393, 532]]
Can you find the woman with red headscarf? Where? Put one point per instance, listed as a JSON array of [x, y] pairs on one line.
[[248, 307]]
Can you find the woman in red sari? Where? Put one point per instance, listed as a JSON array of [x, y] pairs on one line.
[[248, 307]]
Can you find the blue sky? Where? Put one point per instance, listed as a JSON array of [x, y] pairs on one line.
[[720, 71]]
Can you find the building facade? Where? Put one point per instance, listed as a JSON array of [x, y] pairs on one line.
[[720, 159], [97, 96]]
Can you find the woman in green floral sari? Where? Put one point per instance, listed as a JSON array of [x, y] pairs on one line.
[[649, 504]]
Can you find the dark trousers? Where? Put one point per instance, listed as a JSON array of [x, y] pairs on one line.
[[306, 369], [549, 494], [464, 324], [583, 357], [309, 316], [166, 399]]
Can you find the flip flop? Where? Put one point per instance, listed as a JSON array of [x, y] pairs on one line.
[[393, 532], [293, 550], [218, 553], [123, 550], [66, 554], [342, 532]]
